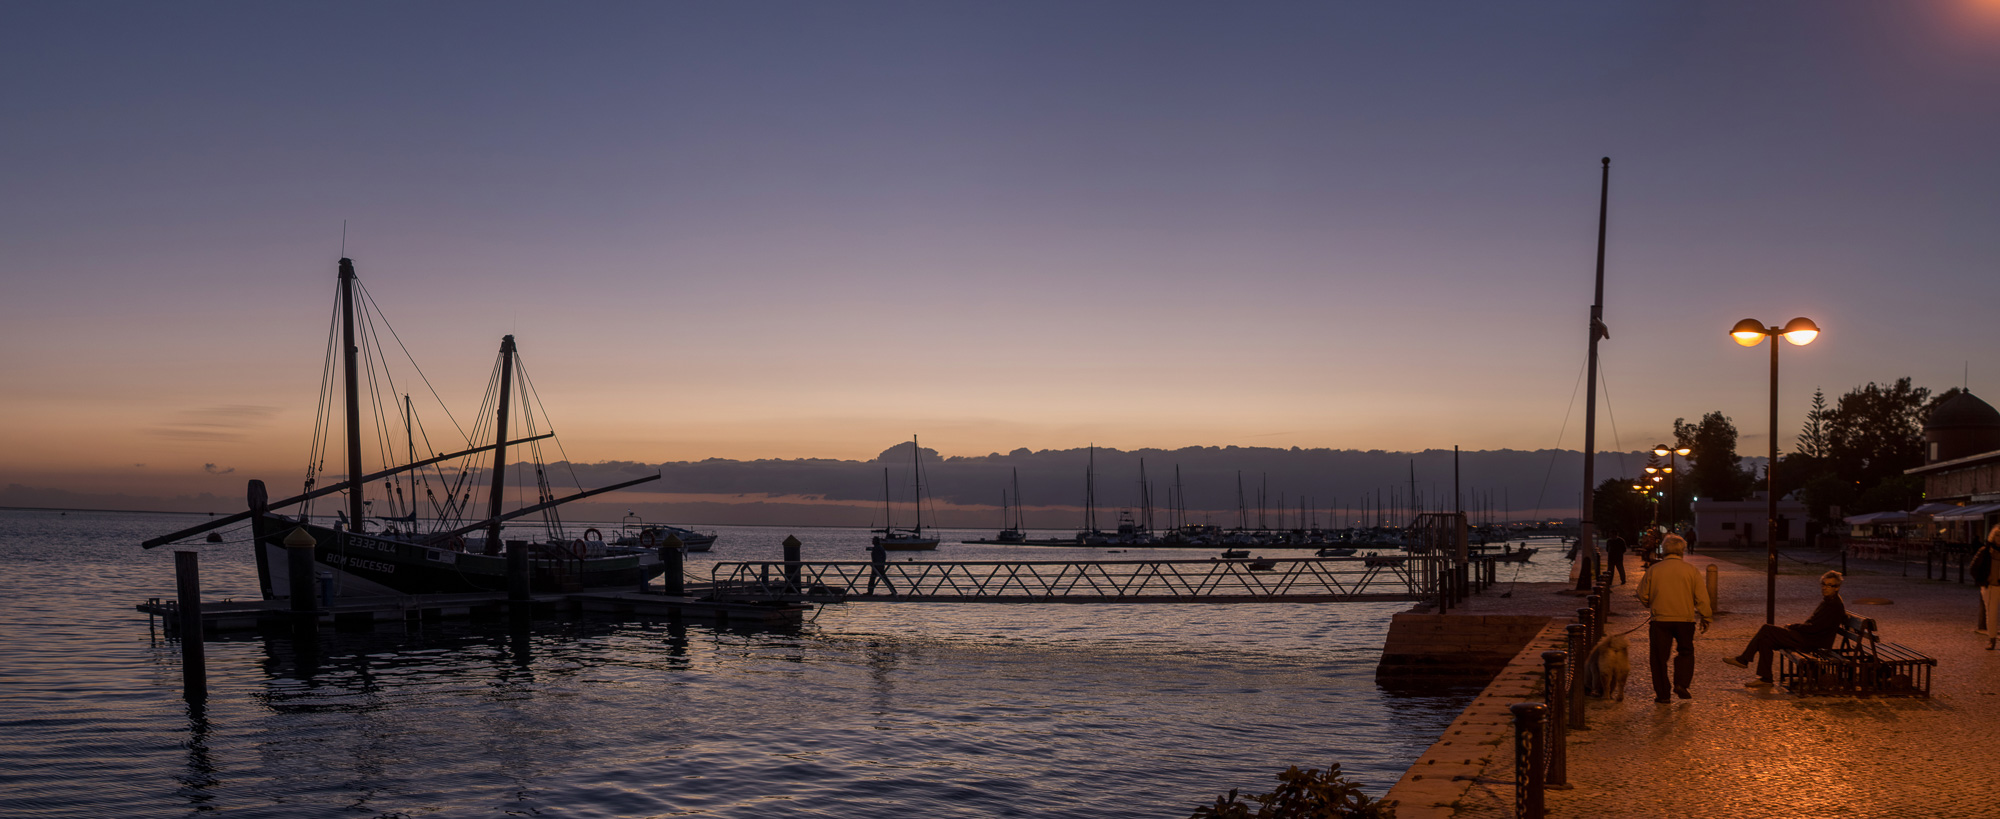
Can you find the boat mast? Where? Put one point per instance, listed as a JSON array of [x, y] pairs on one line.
[[500, 445], [1090, 492], [917, 481], [1018, 520], [1586, 534], [349, 352], [888, 514]]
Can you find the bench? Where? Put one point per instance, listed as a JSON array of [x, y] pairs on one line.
[[1859, 664]]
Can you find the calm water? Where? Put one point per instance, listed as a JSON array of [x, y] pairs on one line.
[[868, 710]]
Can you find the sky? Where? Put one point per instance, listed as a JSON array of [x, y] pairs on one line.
[[808, 230]]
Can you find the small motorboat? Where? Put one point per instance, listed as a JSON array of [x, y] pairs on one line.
[[1336, 551], [1233, 554]]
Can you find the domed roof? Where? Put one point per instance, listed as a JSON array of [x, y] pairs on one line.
[[1963, 410]]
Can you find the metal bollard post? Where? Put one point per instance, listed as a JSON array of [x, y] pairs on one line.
[[194, 657], [1578, 650], [1529, 801], [1714, 589], [1593, 603], [1555, 686]]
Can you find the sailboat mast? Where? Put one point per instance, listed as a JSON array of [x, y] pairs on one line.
[[1586, 535], [1090, 492], [917, 482], [349, 353], [500, 445], [1017, 501]]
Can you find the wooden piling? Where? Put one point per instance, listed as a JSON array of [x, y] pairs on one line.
[[194, 660], [299, 568], [673, 582], [792, 562]]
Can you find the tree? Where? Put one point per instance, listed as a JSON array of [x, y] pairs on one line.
[[1812, 436], [1714, 469], [1620, 510], [1876, 432]]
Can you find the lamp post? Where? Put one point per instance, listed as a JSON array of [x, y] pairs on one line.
[[1750, 333], [1674, 484]]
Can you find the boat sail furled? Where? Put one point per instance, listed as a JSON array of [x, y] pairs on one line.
[[912, 539], [429, 542]]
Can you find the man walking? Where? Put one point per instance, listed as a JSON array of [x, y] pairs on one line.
[[1678, 598], [1614, 550]]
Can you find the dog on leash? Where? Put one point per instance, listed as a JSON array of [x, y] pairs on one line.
[[1609, 663]]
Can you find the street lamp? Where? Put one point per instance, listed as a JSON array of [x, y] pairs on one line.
[[1673, 486], [1750, 333]]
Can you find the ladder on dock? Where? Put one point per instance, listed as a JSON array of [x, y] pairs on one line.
[[1394, 578]]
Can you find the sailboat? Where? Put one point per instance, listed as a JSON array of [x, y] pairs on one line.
[[912, 539], [1011, 530], [454, 551]]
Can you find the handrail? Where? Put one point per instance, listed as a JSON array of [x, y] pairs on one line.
[[1309, 579]]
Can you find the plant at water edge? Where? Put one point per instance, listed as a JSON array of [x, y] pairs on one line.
[[1307, 794]]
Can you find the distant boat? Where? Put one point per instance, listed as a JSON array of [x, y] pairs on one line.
[[1011, 529], [912, 539], [650, 535], [1233, 554], [1336, 551], [1263, 564]]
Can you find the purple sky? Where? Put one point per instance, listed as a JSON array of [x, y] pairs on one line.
[[810, 229]]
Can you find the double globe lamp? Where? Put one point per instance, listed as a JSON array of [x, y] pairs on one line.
[[1750, 333]]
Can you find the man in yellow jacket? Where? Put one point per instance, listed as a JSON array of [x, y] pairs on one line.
[[1678, 598]]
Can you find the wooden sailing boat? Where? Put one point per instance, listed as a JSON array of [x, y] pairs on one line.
[[403, 558], [912, 539]]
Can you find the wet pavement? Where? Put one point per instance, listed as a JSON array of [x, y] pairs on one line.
[[1739, 751]]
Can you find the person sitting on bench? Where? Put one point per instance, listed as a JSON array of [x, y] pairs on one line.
[[1817, 632]]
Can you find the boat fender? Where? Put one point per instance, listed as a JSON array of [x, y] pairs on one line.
[[592, 534], [581, 548]]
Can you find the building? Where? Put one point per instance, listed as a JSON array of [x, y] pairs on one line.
[[1962, 468], [1741, 523]]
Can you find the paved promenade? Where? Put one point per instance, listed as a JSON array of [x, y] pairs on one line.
[[1737, 751]]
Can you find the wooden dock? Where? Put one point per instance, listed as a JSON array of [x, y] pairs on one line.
[[363, 613]]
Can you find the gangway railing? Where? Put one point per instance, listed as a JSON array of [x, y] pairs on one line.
[[1386, 578]]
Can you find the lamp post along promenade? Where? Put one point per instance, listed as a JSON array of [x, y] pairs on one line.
[[1750, 333]]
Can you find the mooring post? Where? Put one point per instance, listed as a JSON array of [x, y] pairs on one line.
[[1555, 687], [1589, 615], [519, 590], [194, 660], [672, 583], [299, 571], [1714, 589], [1579, 648], [1528, 771], [792, 567]]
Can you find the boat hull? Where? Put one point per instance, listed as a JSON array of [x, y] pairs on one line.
[[906, 544], [368, 565]]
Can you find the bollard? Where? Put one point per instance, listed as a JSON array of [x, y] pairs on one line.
[[792, 567], [1714, 589], [1528, 771], [673, 582], [299, 564], [517, 571], [1555, 686], [194, 660], [1579, 649], [1590, 606]]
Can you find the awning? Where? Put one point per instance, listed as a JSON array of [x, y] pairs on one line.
[[1879, 517], [1976, 512], [1936, 508]]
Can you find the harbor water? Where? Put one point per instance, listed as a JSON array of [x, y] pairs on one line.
[[867, 709]]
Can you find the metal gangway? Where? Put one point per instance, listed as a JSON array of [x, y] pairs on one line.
[[1384, 578]]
